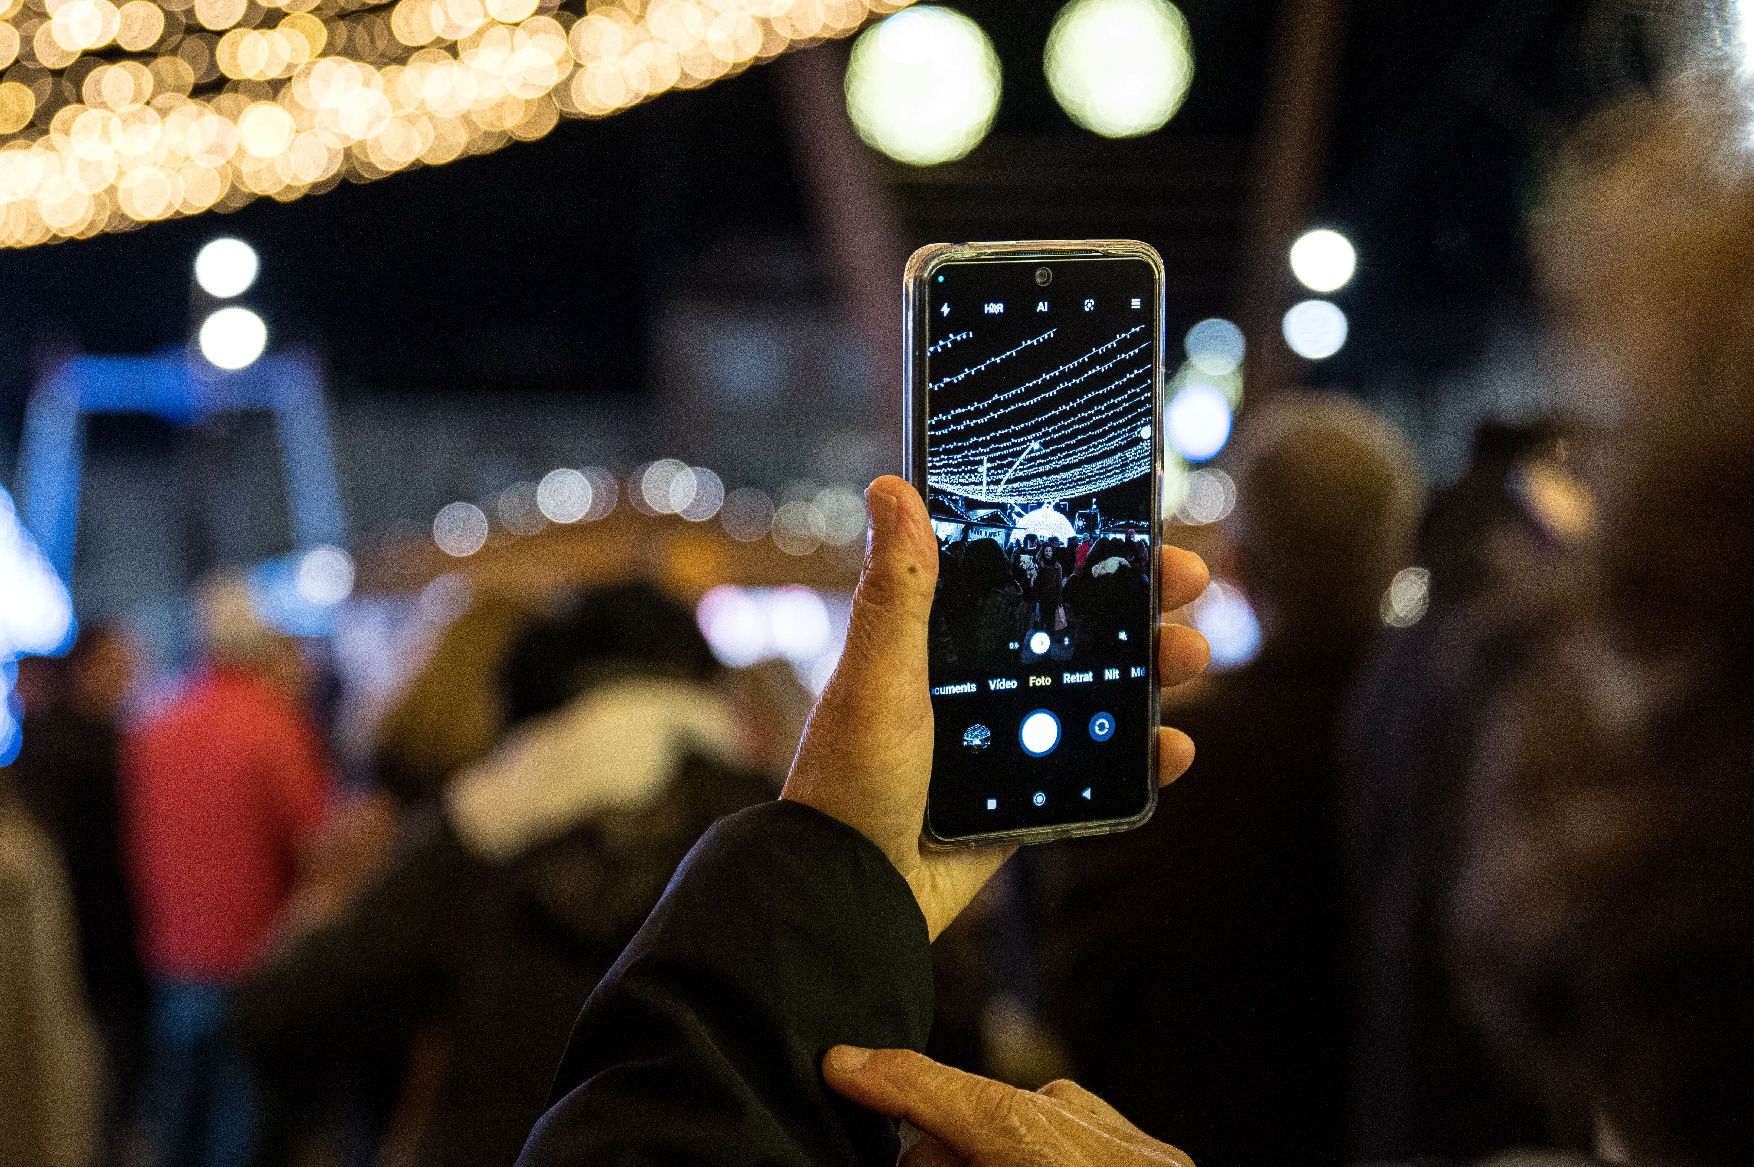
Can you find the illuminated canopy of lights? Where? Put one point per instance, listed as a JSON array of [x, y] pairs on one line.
[[923, 86], [1080, 429], [1120, 68], [115, 113]]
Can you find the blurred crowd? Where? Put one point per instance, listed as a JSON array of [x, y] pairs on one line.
[[994, 598], [1478, 884]]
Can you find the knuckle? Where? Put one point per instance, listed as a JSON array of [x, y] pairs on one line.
[[995, 1105]]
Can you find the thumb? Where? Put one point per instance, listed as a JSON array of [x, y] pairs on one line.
[[893, 603]]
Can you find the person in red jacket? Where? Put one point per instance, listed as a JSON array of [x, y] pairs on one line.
[[223, 789]]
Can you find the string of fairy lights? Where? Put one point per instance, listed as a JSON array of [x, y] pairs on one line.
[[116, 113]]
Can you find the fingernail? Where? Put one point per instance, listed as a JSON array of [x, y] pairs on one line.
[[848, 1059], [878, 504]]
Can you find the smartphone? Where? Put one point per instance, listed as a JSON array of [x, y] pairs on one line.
[[1034, 389]]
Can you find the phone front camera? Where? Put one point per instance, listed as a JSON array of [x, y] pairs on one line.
[[1044, 276]]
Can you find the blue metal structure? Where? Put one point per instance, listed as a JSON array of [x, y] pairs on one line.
[[180, 387]]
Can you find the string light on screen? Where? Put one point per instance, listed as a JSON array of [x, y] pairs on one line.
[[923, 85], [116, 113], [1120, 68]]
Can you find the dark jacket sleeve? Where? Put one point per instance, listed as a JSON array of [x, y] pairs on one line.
[[356, 987], [783, 933]]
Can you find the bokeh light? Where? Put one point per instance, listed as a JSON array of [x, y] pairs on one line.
[[1228, 622], [797, 623], [1216, 347], [923, 85], [1209, 498], [605, 493], [735, 626], [36, 613], [747, 514], [707, 497], [232, 338], [1316, 329], [518, 509], [226, 268], [1407, 598], [1323, 260], [325, 575], [797, 527], [1199, 421], [116, 115], [564, 495], [1120, 68], [843, 515], [460, 529]]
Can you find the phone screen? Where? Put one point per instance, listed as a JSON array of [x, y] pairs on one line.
[[1040, 422]]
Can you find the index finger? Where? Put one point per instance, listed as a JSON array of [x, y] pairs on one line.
[[1183, 577], [971, 1115]]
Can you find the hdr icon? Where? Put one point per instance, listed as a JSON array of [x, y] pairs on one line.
[[995, 308]]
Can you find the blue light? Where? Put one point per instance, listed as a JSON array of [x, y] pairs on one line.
[[11, 739], [1216, 347], [1199, 422]]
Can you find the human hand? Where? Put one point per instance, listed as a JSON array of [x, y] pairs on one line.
[[968, 1120], [866, 757]]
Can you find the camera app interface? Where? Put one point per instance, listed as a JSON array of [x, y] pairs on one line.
[[1039, 456]]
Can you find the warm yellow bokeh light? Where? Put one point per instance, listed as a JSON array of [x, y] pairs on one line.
[[1120, 68], [232, 100], [923, 86], [17, 104]]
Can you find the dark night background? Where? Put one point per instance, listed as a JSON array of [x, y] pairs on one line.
[[484, 320]]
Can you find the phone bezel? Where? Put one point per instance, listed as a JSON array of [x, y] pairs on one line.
[[915, 281]]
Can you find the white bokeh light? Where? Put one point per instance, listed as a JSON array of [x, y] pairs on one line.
[[1209, 498], [36, 613], [798, 626], [1227, 620], [747, 514], [708, 496], [226, 268], [1323, 260], [564, 495], [923, 85], [325, 575], [1316, 329], [460, 529], [1408, 596], [1199, 421], [233, 338], [843, 515], [735, 626], [1216, 347], [1120, 68]]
